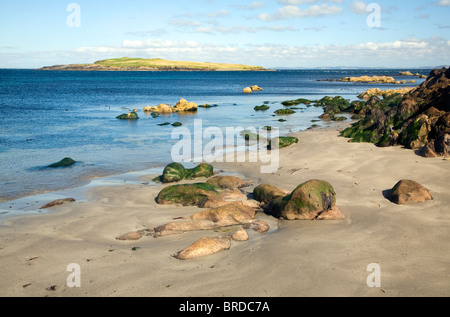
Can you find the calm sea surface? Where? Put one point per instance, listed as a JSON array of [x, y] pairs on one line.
[[49, 115]]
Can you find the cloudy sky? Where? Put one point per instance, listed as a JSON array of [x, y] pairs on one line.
[[269, 33]]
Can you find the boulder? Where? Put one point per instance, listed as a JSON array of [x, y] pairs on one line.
[[183, 106], [265, 193], [314, 199], [204, 246], [260, 226], [408, 192], [240, 235], [255, 88], [175, 172], [187, 194], [247, 90], [227, 215], [228, 182], [65, 162]]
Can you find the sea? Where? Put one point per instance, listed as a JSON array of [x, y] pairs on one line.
[[49, 115]]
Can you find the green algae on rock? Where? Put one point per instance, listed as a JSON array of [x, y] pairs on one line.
[[314, 199], [282, 142], [175, 172], [128, 116], [65, 162]]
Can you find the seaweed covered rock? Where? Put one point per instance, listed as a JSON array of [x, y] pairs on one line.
[[261, 108], [314, 199], [175, 172], [295, 102], [419, 119], [281, 142], [65, 162], [128, 116], [408, 192], [187, 194], [284, 111]]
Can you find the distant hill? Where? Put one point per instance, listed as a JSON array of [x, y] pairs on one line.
[[153, 64]]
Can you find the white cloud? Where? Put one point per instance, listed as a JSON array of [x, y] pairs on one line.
[[292, 11], [400, 53], [359, 7], [252, 6], [443, 3]]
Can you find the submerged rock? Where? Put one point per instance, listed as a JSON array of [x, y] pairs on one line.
[[408, 192], [65, 162], [128, 116], [57, 202]]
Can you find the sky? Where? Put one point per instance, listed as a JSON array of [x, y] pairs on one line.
[[268, 33]]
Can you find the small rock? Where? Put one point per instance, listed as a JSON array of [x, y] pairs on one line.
[[240, 235], [57, 202], [204, 246]]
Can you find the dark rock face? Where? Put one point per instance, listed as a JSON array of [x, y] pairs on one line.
[[418, 120]]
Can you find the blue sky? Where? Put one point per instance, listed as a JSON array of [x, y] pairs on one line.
[[269, 33]]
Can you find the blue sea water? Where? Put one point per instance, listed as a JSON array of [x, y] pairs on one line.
[[49, 115]]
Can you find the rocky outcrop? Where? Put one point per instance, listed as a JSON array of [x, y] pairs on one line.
[[383, 93], [369, 79], [181, 106], [247, 90], [407, 192], [419, 119], [405, 73]]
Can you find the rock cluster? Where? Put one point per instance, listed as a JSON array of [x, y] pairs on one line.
[[181, 106], [419, 120]]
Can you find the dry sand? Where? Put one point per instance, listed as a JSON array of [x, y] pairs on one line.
[[294, 259]]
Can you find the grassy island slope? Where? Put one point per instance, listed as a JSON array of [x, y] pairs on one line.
[[153, 64]]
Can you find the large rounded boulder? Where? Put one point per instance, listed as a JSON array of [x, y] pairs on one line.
[[314, 199]]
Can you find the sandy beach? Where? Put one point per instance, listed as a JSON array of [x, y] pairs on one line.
[[293, 259]]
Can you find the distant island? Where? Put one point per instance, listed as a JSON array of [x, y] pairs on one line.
[[153, 64]]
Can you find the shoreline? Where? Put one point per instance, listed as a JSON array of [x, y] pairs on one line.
[[295, 258]]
